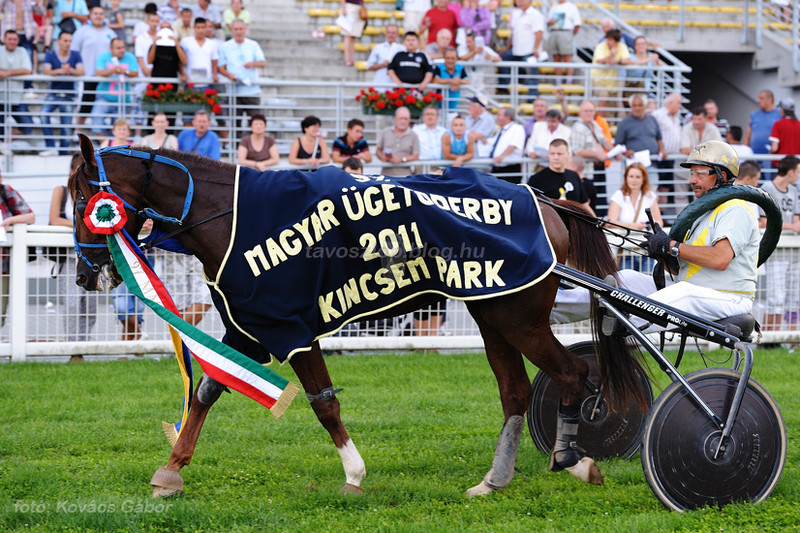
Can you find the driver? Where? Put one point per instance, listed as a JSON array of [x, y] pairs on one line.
[[715, 264]]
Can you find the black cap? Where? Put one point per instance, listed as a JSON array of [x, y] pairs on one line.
[[478, 99]]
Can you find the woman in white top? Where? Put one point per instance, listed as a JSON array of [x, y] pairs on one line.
[[160, 138], [627, 208]]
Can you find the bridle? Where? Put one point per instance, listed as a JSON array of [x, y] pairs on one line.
[[104, 185]]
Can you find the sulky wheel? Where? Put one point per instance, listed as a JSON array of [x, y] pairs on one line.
[[680, 440], [601, 432]]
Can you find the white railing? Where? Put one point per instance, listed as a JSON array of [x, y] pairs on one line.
[[36, 324]]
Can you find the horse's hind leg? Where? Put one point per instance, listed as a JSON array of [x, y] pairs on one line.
[[515, 395], [167, 480], [313, 375]]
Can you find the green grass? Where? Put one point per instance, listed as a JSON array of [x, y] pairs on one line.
[[79, 444]]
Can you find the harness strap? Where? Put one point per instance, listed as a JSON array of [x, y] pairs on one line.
[[327, 394], [156, 241]]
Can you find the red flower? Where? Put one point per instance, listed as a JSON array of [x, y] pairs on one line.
[[209, 92], [149, 86], [398, 102], [162, 87], [427, 98], [149, 92], [391, 95], [210, 101], [409, 99], [371, 89], [439, 96], [401, 90], [217, 108], [170, 86], [358, 98], [380, 104], [190, 85], [156, 94]]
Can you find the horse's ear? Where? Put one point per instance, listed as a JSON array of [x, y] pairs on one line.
[[87, 150]]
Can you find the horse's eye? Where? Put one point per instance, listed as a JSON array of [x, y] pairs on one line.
[[80, 208]]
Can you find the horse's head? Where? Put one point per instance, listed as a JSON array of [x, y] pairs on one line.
[[95, 262]]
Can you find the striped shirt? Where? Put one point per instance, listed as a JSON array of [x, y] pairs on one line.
[[670, 126]]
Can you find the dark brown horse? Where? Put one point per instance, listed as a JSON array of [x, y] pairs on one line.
[[511, 325]]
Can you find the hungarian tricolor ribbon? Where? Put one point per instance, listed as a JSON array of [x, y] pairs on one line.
[[219, 361]]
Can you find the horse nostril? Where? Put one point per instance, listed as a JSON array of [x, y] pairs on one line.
[[81, 280]]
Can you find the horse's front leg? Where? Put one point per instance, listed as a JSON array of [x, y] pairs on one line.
[[313, 375], [167, 480]]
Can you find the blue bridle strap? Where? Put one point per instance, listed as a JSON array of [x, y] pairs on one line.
[[105, 184]]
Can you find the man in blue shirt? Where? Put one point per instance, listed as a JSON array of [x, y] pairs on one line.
[[200, 139], [116, 65], [61, 99], [239, 61], [761, 122]]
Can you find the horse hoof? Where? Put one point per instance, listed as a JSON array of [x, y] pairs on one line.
[[482, 489], [350, 489], [167, 482], [587, 471]]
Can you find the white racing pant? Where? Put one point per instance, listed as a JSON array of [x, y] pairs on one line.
[[573, 305]]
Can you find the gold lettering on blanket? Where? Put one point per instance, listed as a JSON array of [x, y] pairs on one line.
[[467, 275]]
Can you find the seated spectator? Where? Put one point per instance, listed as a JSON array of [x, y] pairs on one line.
[[353, 165], [556, 181], [734, 138], [749, 173], [116, 64], [544, 133], [170, 12], [507, 143], [309, 149], [116, 20], [429, 134], [14, 61], [540, 110], [398, 144], [160, 138], [258, 150], [479, 120], [456, 143], [477, 20], [411, 66], [435, 50], [606, 80], [121, 132], [61, 97], [712, 115], [452, 74], [642, 78], [182, 26], [474, 56], [351, 144], [235, 12], [199, 138]]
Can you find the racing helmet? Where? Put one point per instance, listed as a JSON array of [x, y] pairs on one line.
[[717, 155]]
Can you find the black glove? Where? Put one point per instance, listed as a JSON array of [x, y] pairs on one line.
[[657, 244]]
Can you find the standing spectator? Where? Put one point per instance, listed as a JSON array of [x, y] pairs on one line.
[[382, 54], [351, 9], [141, 47], [606, 80], [452, 74], [258, 150], [456, 145], [14, 61], [116, 20], [398, 144], [429, 134], [474, 57], [183, 26], [478, 120], [627, 39], [211, 14], [63, 11], [43, 27], [235, 12], [588, 142], [477, 19], [556, 181], [527, 28], [90, 41], [351, 144], [160, 138], [439, 17], [239, 61], [507, 144], [639, 131], [668, 118], [13, 210], [121, 133], [353, 165], [734, 138], [61, 97], [19, 15], [539, 111], [642, 78], [627, 208], [785, 135], [783, 277], [202, 56], [694, 132], [712, 115], [166, 57], [112, 95], [563, 22], [435, 50], [761, 121], [309, 149], [544, 133], [199, 139], [142, 26], [411, 66], [170, 12], [413, 13], [80, 305]]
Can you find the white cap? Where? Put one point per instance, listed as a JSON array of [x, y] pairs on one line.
[[164, 35]]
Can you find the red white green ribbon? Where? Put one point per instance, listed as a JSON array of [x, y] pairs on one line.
[[105, 214], [219, 361]]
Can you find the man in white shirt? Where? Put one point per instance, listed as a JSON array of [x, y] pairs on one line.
[[382, 55], [202, 54], [545, 132], [506, 144], [527, 28], [734, 138], [563, 22], [429, 134], [668, 117]]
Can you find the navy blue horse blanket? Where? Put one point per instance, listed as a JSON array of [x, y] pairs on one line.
[[312, 251]]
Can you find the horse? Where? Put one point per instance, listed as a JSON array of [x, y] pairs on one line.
[[511, 324]]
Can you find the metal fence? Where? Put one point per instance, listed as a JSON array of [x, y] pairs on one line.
[[45, 321]]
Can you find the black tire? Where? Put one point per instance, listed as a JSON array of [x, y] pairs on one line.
[[679, 438], [609, 434]]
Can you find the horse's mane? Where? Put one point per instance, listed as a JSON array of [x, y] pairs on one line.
[[192, 160]]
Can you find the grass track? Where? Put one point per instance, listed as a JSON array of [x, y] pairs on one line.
[[80, 442]]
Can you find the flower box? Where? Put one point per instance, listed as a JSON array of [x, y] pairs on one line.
[[172, 107], [170, 98], [375, 102]]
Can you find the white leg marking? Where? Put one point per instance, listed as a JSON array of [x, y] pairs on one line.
[[481, 489], [586, 470], [352, 462]]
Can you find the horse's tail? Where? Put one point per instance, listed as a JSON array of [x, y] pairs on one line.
[[589, 252]]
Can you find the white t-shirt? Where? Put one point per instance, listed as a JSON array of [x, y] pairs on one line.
[[628, 209], [430, 141], [566, 16], [198, 68], [142, 47], [541, 136], [524, 25], [383, 52]]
